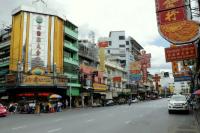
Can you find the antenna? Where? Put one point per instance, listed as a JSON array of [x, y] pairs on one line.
[[92, 36]]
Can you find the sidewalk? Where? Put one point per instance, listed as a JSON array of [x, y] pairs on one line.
[[197, 116]]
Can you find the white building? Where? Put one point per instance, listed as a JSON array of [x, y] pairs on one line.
[[167, 80]]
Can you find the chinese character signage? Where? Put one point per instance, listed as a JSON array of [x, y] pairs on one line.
[[174, 22], [38, 41], [171, 16], [145, 62], [168, 4], [117, 79], [103, 44], [180, 53]]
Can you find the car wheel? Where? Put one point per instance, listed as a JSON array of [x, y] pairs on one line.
[[187, 111], [169, 111]]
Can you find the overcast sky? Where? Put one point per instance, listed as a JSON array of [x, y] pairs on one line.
[[136, 17]]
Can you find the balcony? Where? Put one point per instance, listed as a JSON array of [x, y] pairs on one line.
[[71, 46], [71, 33], [71, 61], [4, 63], [71, 75], [4, 44]]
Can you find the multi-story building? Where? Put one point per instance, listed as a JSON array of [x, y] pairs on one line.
[[116, 80], [93, 81], [5, 35], [40, 55]]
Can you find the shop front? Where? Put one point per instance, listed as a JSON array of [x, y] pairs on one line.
[[99, 94]]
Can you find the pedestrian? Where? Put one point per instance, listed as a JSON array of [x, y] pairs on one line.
[[66, 103], [129, 101], [37, 108]]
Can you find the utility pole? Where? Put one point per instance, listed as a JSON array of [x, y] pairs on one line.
[[70, 95]]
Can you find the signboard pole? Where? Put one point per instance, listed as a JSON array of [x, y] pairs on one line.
[[70, 95]]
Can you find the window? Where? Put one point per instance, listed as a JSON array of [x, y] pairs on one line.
[[127, 49], [127, 42], [121, 46], [121, 37], [110, 43], [108, 51]]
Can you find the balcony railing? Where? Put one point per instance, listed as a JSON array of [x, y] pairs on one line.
[[71, 46], [71, 61], [4, 44], [71, 32]]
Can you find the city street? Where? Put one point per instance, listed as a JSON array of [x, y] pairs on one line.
[[143, 117]]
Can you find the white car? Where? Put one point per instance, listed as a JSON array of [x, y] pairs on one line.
[[178, 103]]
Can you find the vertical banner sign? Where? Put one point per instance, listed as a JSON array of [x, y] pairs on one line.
[[145, 61], [156, 80], [38, 41], [102, 46], [135, 71], [174, 22]]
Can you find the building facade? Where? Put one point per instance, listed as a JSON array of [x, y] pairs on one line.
[[39, 54]]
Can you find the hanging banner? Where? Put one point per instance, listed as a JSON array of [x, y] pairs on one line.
[[174, 21], [180, 53], [168, 4]]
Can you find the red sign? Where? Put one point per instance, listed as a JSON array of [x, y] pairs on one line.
[[135, 71], [171, 16], [103, 44], [117, 79], [168, 4], [180, 53]]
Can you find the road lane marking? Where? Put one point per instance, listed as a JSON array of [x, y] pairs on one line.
[[19, 127], [90, 120], [57, 120], [54, 130], [127, 122]]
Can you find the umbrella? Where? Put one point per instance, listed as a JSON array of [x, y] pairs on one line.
[[197, 92], [55, 96]]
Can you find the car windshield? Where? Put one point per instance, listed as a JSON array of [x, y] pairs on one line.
[[178, 98]]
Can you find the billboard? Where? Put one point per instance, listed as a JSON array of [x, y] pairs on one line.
[[174, 22], [180, 53], [38, 40], [168, 4], [135, 71]]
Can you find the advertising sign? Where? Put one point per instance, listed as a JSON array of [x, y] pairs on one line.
[[180, 53], [103, 44], [174, 22], [168, 4], [38, 40], [182, 78], [117, 79], [43, 80], [180, 32], [99, 87], [171, 16]]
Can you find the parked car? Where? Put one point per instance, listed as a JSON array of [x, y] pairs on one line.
[[109, 103], [3, 111], [122, 101], [135, 100], [178, 103]]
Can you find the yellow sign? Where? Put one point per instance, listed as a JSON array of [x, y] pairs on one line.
[[179, 32], [99, 87], [102, 59], [37, 80]]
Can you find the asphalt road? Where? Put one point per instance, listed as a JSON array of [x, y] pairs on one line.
[[143, 117]]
